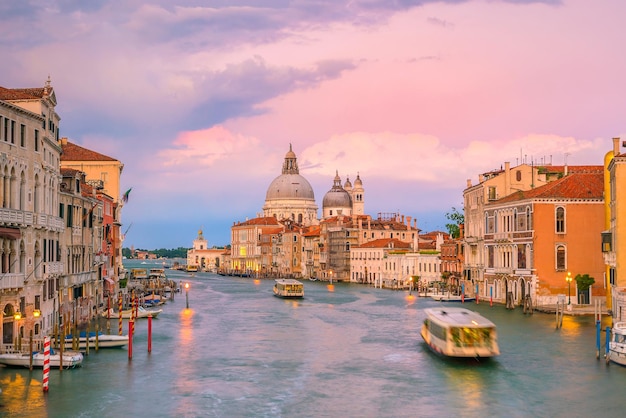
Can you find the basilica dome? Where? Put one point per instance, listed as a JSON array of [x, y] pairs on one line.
[[290, 195], [289, 186]]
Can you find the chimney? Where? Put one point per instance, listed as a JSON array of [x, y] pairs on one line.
[[469, 183], [615, 146]]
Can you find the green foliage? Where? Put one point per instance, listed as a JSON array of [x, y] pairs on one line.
[[584, 281], [456, 219], [179, 252]]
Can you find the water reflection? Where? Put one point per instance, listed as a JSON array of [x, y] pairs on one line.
[[22, 393]]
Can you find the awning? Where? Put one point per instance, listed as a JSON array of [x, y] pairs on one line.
[[110, 280], [11, 233]]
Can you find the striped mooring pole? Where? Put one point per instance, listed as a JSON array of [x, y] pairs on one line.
[[46, 362]]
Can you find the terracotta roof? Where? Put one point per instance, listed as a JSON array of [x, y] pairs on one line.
[[73, 152], [22, 94], [69, 172], [576, 185], [312, 231], [385, 243], [267, 220]]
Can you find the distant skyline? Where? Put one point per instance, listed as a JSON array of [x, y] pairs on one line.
[[201, 99]]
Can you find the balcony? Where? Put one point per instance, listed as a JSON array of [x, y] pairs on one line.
[[53, 267], [11, 281], [15, 217]]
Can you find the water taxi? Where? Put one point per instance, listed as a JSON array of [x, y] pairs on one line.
[[191, 268], [617, 344], [459, 332], [288, 288]]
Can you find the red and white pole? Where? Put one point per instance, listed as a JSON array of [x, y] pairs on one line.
[[46, 362], [119, 311]]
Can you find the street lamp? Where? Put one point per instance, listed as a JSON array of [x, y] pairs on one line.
[[569, 284]]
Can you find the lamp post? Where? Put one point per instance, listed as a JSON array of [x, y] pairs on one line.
[[187, 294], [569, 284]]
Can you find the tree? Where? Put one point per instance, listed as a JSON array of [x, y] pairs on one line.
[[457, 219], [584, 282]]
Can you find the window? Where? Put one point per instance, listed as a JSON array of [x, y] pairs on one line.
[[13, 132], [69, 216], [560, 258], [490, 257], [560, 220], [518, 175], [521, 256], [36, 140], [492, 193], [22, 135]]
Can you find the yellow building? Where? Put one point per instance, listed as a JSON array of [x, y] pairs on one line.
[[615, 259]]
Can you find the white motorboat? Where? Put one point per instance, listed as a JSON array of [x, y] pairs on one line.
[[288, 288], [71, 359], [617, 344], [459, 332], [102, 340], [448, 297], [128, 313]]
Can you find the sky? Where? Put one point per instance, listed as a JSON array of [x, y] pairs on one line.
[[200, 100]]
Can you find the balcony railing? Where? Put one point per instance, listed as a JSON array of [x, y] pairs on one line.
[[11, 281], [16, 217]]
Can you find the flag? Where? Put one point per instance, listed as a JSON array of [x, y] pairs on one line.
[[89, 212], [125, 197]]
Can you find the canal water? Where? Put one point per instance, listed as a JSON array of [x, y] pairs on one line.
[[350, 351]]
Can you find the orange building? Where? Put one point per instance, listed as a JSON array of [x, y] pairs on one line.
[[534, 239]]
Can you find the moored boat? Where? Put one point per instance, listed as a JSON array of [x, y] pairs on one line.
[[617, 344], [128, 313], [103, 340], [71, 359], [288, 288], [448, 297], [459, 332]]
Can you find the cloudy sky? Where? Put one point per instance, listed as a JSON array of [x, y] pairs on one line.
[[201, 99]]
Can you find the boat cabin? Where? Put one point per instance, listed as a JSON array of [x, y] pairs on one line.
[[459, 332], [288, 288]]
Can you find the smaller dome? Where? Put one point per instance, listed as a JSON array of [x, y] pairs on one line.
[[347, 185], [358, 182], [337, 197]]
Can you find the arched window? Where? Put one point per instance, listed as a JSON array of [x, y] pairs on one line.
[[560, 220], [560, 257]]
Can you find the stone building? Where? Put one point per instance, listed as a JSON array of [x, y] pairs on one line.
[[203, 257], [30, 225]]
